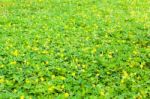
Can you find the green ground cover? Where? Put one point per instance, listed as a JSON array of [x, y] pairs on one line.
[[75, 49]]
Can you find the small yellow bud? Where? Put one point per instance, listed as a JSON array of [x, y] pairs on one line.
[[15, 53], [1, 80], [94, 50], [53, 76], [1, 66], [22, 97], [27, 81], [62, 86], [46, 62], [51, 89], [66, 95], [42, 79], [125, 74], [73, 74], [13, 63], [102, 93], [62, 78]]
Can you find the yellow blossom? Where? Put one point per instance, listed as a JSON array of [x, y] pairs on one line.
[[30, 97], [142, 65], [84, 66], [15, 53], [93, 85], [53, 76], [102, 93], [35, 49], [97, 74], [1, 80], [42, 79], [76, 60], [125, 74], [61, 55], [73, 74], [62, 78], [82, 70], [1, 66], [122, 80], [22, 97], [13, 63], [110, 55], [101, 55], [14, 91], [78, 65], [62, 86], [108, 72], [27, 81], [44, 52], [66, 95], [94, 50], [87, 38], [135, 52], [46, 62], [51, 88]]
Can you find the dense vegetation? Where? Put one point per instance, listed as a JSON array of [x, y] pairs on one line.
[[74, 49]]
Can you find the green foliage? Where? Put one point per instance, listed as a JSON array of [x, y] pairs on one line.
[[92, 49]]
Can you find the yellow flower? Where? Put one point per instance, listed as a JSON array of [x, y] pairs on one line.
[[22, 97], [27, 63], [13, 63], [93, 85], [1, 66], [46, 62], [94, 50], [102, 93], [66, 95], [44, 52], [135, 52], [82, 70], [62, 86], [97, 74], [35, 49], [15, 53], [122, 80], [27, 81], [75, 60], [125, 74], [53, 76], [14, 91], [30, 97], [142, 65], [51, 88], [62, 78], [1, 80], [61, 55], [87, 38], [101, 55], [78, 65], [42, 79], [138, 77], [108, 72], [73, 74], [110, 55], [84, 66]]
